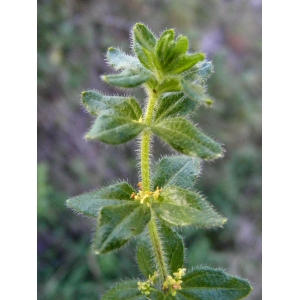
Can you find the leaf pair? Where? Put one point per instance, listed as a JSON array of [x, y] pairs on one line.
[[180, 171], [120, 217], [119, 121], [198, 284]]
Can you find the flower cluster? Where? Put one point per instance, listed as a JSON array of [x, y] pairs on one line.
[[145, 286], [174, 283], [145, 196]]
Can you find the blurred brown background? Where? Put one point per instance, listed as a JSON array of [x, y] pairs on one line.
[[73, 35]]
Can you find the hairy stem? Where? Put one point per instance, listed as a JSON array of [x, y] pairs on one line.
[[157, 247], [145, 161], [145, 171], [145, 144]]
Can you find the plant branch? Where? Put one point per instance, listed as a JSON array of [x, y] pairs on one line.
[[145, 171], [157, 247], [146, 141]]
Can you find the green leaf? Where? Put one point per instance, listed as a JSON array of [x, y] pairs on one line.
[[145, 257], [144, 58], [183, 207], [162, 47], [173, 104], [144, 43], [119, 60], [187, 139], [124, 291], [206, 70], [147, 58], [195, 92], [185, 62], [144, 36], [170, 84], [90, 203], [173, 247], [128, 290], [117, 224], [200, 72], [114, 129], [127, 78], [176, 170], [179, 47], [208, 283], [98, 104]]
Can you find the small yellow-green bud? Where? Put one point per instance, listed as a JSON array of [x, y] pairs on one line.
[[152, 278], [156, 193], [144, 287], [174, 284], [180, 273], [209, 102]]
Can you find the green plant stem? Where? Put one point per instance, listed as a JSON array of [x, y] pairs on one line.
[[145, 161], [146, 141], [145, 171], [157, 247]]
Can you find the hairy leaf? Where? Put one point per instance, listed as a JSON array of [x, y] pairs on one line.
[[119, 60], [185, 62], [127, 78], [183, 207], [200, 72], [128, 290], [114, 129], [144, 37], [118, 224], [173, 247], [205, 70], [173, 104], [210, 284], [179, 47], [163, 45], [98, 104], [90, 203], [145, 57], [170, 84], [145, 257], [164, 40], [194, 91], [181, 171], [186, 138]]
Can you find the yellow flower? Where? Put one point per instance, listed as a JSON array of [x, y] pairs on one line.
[[144, 287], [145, 196], [152, 278], [180, 273], [174, 284], [156, 193], [168, 282]]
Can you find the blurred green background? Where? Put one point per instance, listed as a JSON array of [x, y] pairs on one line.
[[73, 35]]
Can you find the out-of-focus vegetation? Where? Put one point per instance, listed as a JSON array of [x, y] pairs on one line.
[[72, 37]]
